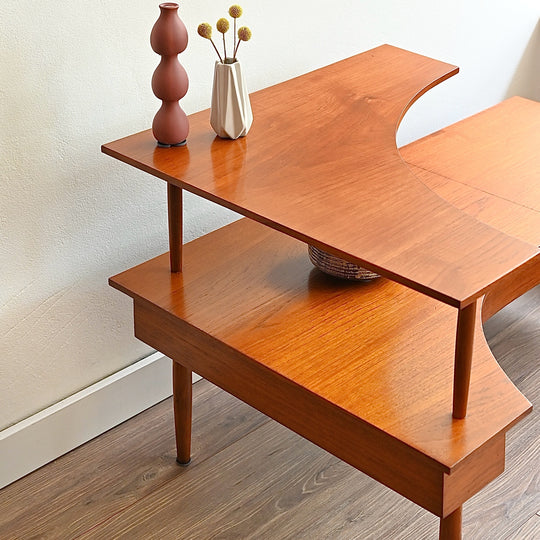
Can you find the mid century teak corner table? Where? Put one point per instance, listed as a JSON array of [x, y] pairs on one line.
[[393, 376]]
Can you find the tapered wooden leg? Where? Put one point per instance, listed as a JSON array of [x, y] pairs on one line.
[[450, 527], [174, 205], [463, 359], [182, 389]]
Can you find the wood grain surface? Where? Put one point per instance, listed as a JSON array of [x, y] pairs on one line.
[[117, 481], [326, 499], [321, 164], [360, 347], [107, 475], [175, 218], [506, 136], [466, 322], [450, 527], [183, 403], [251, 478], [333, 361], [500, 186], [218, 327], [508, 216]]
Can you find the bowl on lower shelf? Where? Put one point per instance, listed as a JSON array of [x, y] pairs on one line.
[[334, 266]]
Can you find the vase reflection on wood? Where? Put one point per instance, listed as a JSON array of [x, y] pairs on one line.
[[170, 81], [231, 115]]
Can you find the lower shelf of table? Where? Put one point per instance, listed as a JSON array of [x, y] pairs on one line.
[[364, 370]]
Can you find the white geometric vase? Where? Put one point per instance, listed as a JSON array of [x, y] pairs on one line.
[[231, 115]]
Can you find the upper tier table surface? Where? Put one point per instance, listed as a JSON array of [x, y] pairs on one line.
[[321, 164], [501, 186]]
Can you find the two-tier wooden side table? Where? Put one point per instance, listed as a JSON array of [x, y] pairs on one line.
[[394, 376]]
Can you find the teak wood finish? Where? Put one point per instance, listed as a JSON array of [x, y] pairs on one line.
[[495, 179], [463, 359], [174, 210], [182, 398], [332, 361], [364, 371], [321, 164]]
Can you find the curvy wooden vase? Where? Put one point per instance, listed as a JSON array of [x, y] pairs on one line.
[[170, 81]]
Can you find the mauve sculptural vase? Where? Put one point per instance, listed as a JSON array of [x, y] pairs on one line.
[[170, 81], [231, 115]]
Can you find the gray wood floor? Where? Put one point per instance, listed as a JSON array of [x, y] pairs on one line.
[[252, 478]]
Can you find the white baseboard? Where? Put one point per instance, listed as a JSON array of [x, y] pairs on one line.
[[43, 437]]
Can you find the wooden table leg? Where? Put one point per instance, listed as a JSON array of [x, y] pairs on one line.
[[450, 526], [463, 358], [174, 204], [182, 386], [182, 389]]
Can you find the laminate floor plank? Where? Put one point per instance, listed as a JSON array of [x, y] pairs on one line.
[[351, 506], [108, 474], [530, 530], [205, 502], [271, 485]]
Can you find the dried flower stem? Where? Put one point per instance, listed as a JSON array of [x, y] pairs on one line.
[[223, 26], [244, 34], [235, 11], [205, 30], [212, 42], [235, 47]]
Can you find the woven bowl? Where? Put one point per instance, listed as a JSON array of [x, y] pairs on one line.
[[330, 264]]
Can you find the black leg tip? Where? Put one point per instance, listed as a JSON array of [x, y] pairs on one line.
[[165, 145], [183, 464]]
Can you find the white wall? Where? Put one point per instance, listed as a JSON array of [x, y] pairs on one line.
[[75, 74]]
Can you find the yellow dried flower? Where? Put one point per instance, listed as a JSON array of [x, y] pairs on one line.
[[205, 30], [235, 11], [244, 33], [222, 25]]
